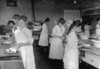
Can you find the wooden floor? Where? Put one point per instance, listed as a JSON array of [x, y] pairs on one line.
[[43, 62]]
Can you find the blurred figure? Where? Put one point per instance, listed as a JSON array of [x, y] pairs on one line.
[[85, 34], [96, 41], [97, 33], [43, 40], [24, 42], [71, 48], [30, 26], [9, 30], [3, 30], [67, 27], [69, 23], [15, 18], [10, 24], [56, 47], [78, 28]]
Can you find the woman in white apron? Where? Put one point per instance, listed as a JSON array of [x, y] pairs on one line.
[[43, 40], [24, 40], [56, 47], [71, 49]]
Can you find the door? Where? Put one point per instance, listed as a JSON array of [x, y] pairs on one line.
[[71, 15]]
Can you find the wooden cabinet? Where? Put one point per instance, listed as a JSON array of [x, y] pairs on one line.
[[92, 57]]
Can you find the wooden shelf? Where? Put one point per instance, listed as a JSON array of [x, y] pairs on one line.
[[91, 8]]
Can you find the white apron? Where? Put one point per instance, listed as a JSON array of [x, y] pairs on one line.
[[43, 41], [98, 31], [71, 52], [23, 36], [56, 47]]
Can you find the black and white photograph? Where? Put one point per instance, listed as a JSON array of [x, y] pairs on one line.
[[49, 34]]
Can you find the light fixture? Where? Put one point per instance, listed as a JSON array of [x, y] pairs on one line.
[[75, 1]]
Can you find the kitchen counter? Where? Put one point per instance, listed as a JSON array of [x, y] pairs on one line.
[[91, 55], [9, 60], [3, 51]]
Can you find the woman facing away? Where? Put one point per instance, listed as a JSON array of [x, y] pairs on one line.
[[43, 41], [56, 46], [71, 48]]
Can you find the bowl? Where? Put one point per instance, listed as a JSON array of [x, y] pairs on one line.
[[97, 45], [84, 37]]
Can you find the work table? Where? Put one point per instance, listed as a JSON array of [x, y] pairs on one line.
[[9, 60], [4, 53]]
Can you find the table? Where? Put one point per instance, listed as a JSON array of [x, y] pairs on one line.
[[3, 51], [9, 61]]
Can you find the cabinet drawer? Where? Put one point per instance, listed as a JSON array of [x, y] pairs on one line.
[[91, 59]]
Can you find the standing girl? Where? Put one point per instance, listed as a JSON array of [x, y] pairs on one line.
[[24, 40], [56, 47], [43, 41], [71, 49]]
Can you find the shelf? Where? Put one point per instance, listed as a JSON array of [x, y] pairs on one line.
[[91, 12], [94, 8]]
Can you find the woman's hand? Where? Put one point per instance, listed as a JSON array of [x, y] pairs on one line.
[[64, 40]]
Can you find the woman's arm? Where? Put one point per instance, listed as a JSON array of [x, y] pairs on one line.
[[55, 36], [24, 44], [28, 35]]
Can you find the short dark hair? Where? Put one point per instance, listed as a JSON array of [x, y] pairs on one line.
[[10, 22], [61, 20], [29, 23], [23, 17], [78, 23], [16, 16], [47, 19]]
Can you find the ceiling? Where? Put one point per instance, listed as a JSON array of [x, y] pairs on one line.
[[76, 4], [72, 4], [88, 7], [79, 4]]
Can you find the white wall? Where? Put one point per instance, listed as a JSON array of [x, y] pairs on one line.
[[71, 15], [23, 7]]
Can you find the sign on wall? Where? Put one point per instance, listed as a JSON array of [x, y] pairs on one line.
[[12, 3]]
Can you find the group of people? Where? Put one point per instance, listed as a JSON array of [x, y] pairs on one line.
[[22, 41], [64, 42]]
